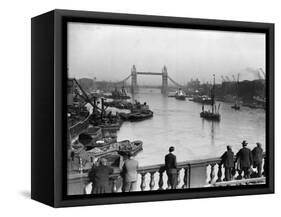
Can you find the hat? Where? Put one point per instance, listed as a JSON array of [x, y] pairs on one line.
[[258, 144], [228, 147], [244, 143]]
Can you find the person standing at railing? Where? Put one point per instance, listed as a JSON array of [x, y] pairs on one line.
[[257, 158], [99, 176], [227, 159], [171, 168], [130, 174], [244, 156]]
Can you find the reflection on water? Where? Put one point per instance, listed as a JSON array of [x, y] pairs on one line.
[[178, 123]]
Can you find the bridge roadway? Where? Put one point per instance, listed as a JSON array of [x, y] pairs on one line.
[[149, 73]]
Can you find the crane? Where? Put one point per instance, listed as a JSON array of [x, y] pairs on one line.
[[262, 72], [227, 78], [233, 78]]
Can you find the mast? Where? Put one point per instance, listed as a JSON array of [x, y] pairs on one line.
[[237, 83], [213, 93]]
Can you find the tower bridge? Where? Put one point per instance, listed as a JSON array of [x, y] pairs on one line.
[[134, 75]]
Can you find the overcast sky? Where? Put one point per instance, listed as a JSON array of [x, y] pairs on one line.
[[108, 52]]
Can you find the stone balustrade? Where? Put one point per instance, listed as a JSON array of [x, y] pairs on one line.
[[190, 174]]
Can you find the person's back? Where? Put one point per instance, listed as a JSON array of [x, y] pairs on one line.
[[245, 157], [171, 168], [130, 175], [130, 170], [257, 154], [99, 176], [170, 162], [228, 159]]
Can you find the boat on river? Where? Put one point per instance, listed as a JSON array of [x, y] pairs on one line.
[[120, 104], [236, 106], [180, 95], [204, 99], [140, 116], [136, 115], [212, 114], [127, 148], [118, 94]]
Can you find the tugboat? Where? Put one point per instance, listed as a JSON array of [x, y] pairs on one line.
[[180, 95], [212, 115], [139, 112], [236, 106]]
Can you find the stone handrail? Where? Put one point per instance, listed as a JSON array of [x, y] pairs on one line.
[[194, 173]]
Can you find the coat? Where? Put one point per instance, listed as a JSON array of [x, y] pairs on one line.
[[171, 163], [99, 176], [257, 155], [227, 159], [129, 170], [245, 157]]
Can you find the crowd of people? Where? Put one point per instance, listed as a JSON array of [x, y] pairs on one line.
[[244, 162]]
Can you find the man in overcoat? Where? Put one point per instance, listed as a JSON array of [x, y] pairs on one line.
[[99, 176], [244, 156], [227, 159], [257, 153], [130, 174], [171, 168]]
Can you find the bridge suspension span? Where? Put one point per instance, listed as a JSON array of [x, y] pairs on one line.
[[135, 73]]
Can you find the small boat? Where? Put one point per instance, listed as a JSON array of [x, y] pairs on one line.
[[180, 95], [202, 99], [236, 107], [212, 115], [130, 148], [139, 116], [120, 104]]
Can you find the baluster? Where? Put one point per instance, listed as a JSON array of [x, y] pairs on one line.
[[114, 185], [178, 177], [212, 174], [160, 182], [185, 178], [143, 185], [219, 172], [168, 184], [152, 182], [264, 167], [80, 166]]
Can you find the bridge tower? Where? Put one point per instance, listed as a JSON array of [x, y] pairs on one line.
[[134, 79], [164, 89]]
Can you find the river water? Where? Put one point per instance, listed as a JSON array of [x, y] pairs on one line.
[[178, 123]]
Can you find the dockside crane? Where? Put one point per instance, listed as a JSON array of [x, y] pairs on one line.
[[261, 69]]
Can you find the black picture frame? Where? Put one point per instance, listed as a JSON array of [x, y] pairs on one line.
[[49, 76]]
